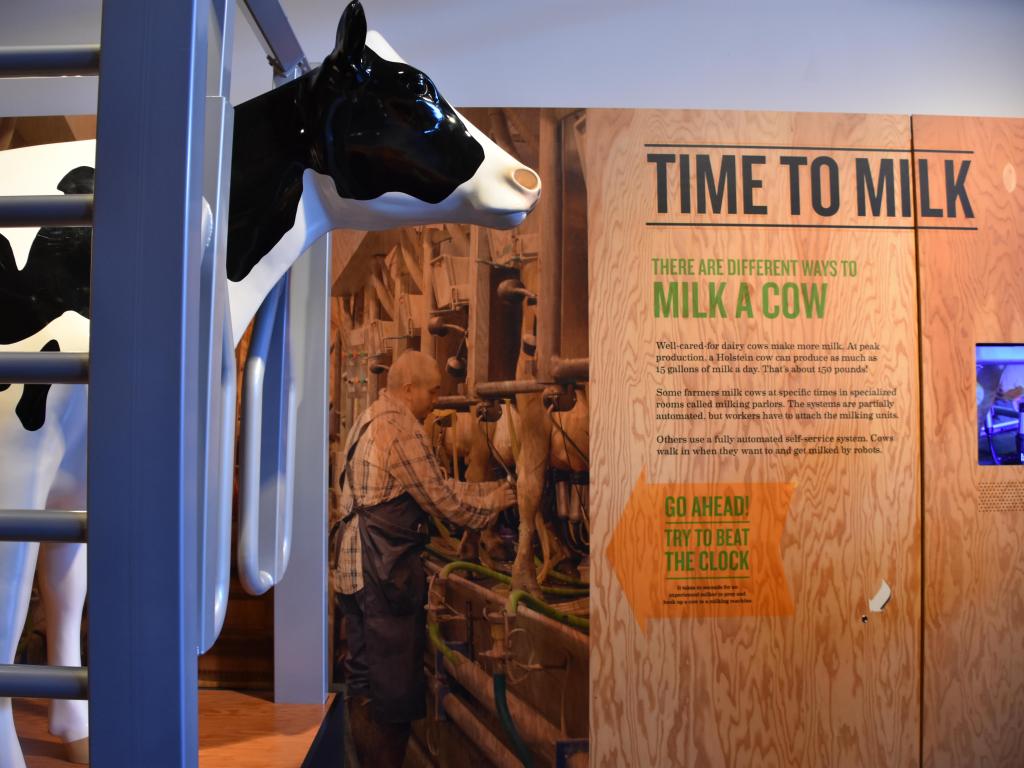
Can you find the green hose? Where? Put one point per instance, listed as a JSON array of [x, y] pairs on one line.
[[500, 694], [540, 606], [501, 703], [438, 553], [557, 576], [434, 632], [462, 565], [580, 584], [566, 591], [500, 684]]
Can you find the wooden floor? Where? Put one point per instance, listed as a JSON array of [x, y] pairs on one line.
[[240, 730]]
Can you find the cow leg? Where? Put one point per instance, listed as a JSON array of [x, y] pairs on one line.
[[493, 549], [485, 546], [528, 490], [17, 565], [62, 570], [477, 466], [28, 465], [532, 465], [555, 553], [62, 584], [469, 546]]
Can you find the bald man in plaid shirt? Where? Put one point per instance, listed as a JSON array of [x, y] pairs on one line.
[[390, 481]]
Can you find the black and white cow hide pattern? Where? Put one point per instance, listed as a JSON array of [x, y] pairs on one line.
[[54, 280]]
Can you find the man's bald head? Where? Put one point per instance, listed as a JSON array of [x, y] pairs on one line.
[[413, 367], [415, 379]]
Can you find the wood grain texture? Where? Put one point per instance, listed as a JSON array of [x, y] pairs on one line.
[[41, 750], [235, 729], [971, 287], [818, 688]]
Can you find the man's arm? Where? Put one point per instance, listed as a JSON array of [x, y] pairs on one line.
[[414, 465]]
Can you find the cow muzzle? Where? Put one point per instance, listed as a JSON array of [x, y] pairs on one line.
[[527, 179]]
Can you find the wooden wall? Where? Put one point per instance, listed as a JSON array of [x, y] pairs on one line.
[[972, 284], [28, 131], [819, 687]]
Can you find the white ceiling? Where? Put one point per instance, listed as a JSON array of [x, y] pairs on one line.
[[898, 56]]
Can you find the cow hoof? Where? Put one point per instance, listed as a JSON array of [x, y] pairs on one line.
[[527, 584], [568, 568], [486, 561], [499, 563], [78, 751], [469, 547], [495, 548]]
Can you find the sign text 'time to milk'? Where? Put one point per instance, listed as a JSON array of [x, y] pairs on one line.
[[733, 185]]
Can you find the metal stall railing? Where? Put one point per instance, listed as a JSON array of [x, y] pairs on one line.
[[36, 525], [159, 355], [144, 385], [45, 368], [141, 370], [284, 435]]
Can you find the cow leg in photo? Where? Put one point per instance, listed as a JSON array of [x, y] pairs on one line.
[[484, 546], [532, 464], [493, 549], [570, 448], [554, 552]]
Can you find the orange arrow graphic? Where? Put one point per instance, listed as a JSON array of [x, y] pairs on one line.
[[686, 549]]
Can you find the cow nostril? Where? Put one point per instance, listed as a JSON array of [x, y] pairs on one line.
[[526, 178]]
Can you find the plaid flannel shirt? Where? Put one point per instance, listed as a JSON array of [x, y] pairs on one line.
[[393, 457]]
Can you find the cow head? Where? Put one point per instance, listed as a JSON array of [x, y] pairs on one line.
[[381, 131], [366, 141]]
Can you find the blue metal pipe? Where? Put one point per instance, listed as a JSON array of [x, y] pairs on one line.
[[49, 61]]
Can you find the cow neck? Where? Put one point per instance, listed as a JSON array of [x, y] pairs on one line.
[[311, 223], [269, 154]]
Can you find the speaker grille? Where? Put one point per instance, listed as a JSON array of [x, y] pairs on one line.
[[1001, 496]]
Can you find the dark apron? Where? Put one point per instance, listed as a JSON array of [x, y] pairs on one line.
[[393, 535]]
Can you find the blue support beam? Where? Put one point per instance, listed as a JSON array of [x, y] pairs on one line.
[[275, 34], [143, 390], [300, 600]]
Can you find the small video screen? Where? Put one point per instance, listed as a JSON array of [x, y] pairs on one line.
[[1000, 395]]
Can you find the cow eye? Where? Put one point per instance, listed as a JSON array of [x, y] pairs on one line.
[[429, 90], [420, 85]]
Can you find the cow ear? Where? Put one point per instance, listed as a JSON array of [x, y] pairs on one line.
[[351, 38]]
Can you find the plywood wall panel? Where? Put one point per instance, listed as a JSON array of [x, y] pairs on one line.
[[972, 282], [817, 687]]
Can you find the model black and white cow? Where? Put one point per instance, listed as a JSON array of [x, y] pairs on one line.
[[365, 142]]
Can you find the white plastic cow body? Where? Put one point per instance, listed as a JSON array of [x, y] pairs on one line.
[[42, 435]]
